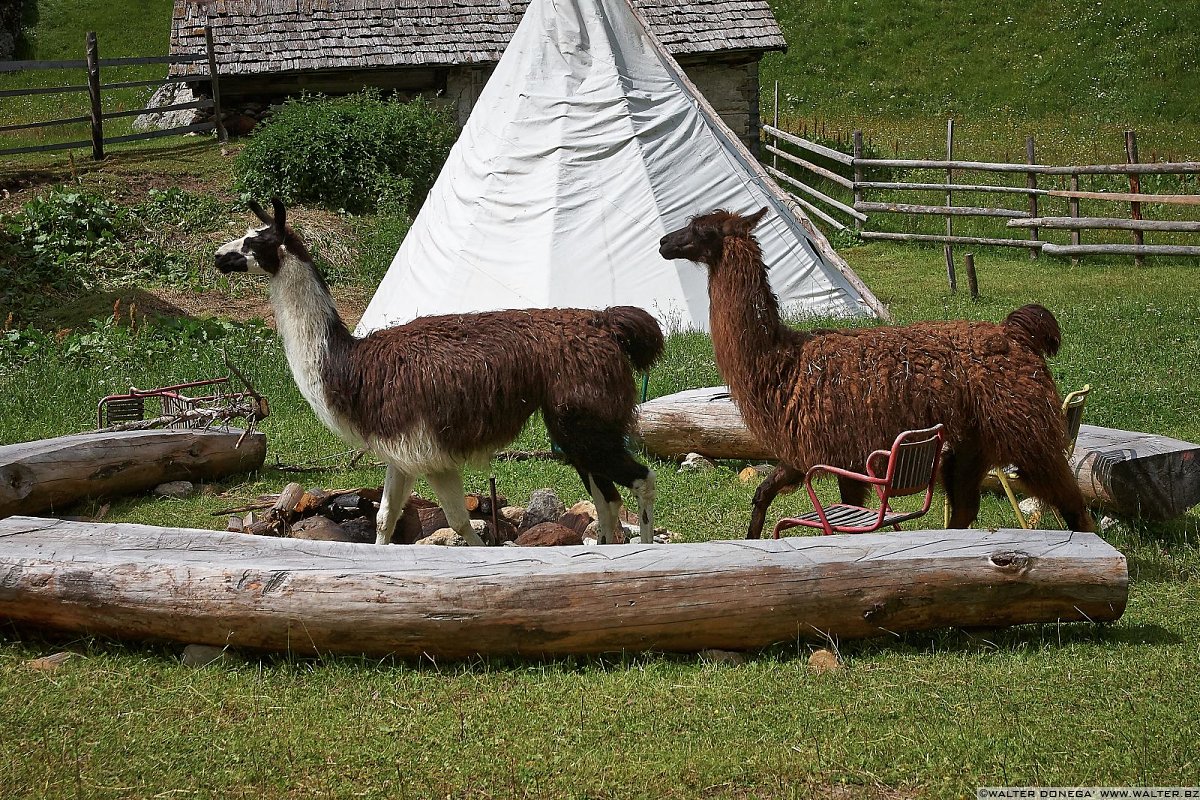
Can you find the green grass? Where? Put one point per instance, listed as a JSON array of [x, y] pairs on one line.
[[929, 715]]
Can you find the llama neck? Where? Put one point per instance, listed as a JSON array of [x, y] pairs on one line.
[[744, 315], [312, 332]]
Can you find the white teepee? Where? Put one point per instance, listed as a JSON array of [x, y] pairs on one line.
[[587, 144]]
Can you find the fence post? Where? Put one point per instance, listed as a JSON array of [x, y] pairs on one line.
[[222, 135], [1031, 183], [1135, 186], [972, 278], [1075, 214], [93, 69], [858, 175], [949, 248]]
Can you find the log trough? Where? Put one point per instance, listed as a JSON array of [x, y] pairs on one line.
[[204, 587], [1125, 473], [56, 473]]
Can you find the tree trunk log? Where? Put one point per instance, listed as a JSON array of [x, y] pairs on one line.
[[205, 587], [1126, 473], [704, 421], [54, 473]]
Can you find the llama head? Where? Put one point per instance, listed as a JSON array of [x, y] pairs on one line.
[[258, 252], [703, 238]]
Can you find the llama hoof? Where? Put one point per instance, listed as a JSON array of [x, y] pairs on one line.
[[589, 541]]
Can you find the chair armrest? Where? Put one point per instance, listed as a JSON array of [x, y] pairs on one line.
[[817, 469]]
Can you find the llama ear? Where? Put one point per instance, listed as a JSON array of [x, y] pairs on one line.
[[753, 220], [280, 213], [258, 212]]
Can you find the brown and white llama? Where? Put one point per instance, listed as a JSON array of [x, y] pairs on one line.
[[833, 396], [441, 392]]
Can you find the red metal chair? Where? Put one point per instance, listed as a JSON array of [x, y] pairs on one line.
[[911, 468]]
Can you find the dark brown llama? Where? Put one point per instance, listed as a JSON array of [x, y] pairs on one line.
[[441, 392], [833, 396]]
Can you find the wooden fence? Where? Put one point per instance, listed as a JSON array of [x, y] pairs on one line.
[[92, 65], [793, 161]]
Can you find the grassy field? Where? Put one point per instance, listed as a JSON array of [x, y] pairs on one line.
[[924, 715], [928, 715]]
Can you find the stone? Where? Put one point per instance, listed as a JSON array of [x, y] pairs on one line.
[[576, 522], [168, 95], [585, 508], [49, 663], [204, 655], [694, 462], [319, 529], [446, 537], [725, 658], [177, 490], [362, 530], [543, 506], [549, 534], [822, 661], [513, 515]]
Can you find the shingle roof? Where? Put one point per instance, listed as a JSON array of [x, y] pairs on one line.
[[262, 36]]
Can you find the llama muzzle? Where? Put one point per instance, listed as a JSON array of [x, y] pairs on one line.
[[231, 262]]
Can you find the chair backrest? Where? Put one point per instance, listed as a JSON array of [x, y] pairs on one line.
[[1073, 414], [914, 460]]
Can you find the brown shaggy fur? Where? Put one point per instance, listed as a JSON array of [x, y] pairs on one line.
[[833, 396]]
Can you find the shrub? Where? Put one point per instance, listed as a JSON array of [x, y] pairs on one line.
[[356, 153]]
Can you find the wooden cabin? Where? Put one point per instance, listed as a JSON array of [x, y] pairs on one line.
[[267, 49]]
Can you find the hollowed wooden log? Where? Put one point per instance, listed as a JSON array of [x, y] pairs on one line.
[[204, 587]]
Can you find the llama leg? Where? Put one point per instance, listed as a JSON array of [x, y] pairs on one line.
[[447, 484], [1049, 479], [783, 477], [853, 492], [963, 483], [644, 489], [397, 486], [608, 502]]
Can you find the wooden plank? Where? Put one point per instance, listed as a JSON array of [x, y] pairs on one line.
[[46, 124], [42, 90], [1158, 168], [1120, 250], [203, 103], [54, 473], [932, 237], [1123, 472], [42, 148], [804, 187], [1106, 223], [135, 137], [206, 587], [958, 187], [811, 167], [813, 147], [1127, 197], [817, 212], [950, 211]]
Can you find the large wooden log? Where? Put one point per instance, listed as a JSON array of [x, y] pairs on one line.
[[54, 473], [204, 587], [1125, 473], [704, 421]]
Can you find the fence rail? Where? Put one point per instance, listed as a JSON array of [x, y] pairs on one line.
[[793, 160], [92, 64]]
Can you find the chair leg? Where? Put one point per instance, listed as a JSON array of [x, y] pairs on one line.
[[1012, 497]]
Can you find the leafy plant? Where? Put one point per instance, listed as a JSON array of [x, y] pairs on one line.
[[357, 153]]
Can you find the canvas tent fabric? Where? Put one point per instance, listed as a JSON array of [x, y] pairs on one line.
[[586, 146]]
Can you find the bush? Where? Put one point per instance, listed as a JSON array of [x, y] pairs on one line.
[[357, 153]]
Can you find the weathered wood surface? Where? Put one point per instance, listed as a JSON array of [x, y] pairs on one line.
[[205, 587], [1124, 472], [704, 421], [54, 473]]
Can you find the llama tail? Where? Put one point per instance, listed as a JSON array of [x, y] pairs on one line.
[[1036, 327], [637, 332]]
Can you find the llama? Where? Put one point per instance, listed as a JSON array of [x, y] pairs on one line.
[[833, 396], [441, 392]]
